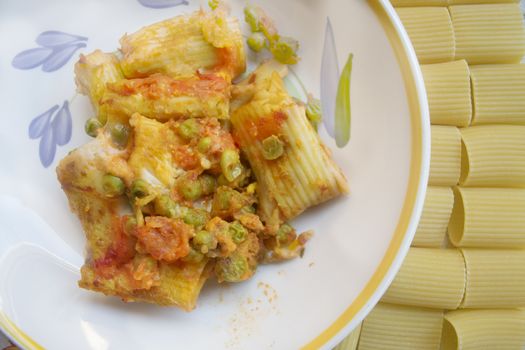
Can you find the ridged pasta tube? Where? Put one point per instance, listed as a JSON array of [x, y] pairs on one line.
[[182, 45], [304, 174]]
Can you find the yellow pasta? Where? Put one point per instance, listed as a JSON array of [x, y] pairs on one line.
[[303, 173], [488, 218], [484, 329], [180, 46], [465, 2], [445, 156], [430, 31], [351, 341], [498, 93], [432, 227], [493, 155], [448, 92], [414, 3], [488, 33], [495, 278], [163, 98], [401, 327], [433, 278]]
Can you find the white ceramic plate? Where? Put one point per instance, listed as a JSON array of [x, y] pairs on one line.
[[311, 302]]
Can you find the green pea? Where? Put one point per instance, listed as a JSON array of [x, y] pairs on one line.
[[165, 206], [313, 111], [204, 144], [189, 129], [92, 126], [120, 134], [196, 217], [284, 50], [238, 232], [232, 268], [112, 186], [256, 41], [273, 147], [193, 256], [139, 189], [251, 16], [230, 164], [208, 183], [205, 241], [191, 189], [285, 234]]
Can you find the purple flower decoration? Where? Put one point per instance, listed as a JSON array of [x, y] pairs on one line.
[[56, 48], [161, 4], [53, 129], [329, 79]]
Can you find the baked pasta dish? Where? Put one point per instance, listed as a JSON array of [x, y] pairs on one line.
[[190, 176]]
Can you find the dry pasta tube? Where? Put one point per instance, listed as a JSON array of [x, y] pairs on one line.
[[471, 2], [448, 92], [493, 156], [495, 278], [490, 33], [429, 277], [430, 31], [498, 93], [434, 220], [414, 3], [483, 329], [488, 218], [445, 156], [351, 341], [401, 327]]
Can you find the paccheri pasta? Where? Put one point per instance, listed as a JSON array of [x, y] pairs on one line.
[[430, 31], [483, 329], [493, 156], [432, 228], [401, 327], [488, 33], [448, 91], [498, 94], [190, 176], [445, 156], [488, 218], [429, 277]]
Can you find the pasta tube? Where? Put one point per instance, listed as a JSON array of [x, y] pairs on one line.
[[430, 31], [182, 45], [493, 156], [293, 168], [498, 94], [495, 278], [351, 340], [163, 98], [448, 91], [401, 327], [488, 33], [433, 278], [414, 3], [92, 74], [488, 218], [483, 329], [432, 228], [445, 156]]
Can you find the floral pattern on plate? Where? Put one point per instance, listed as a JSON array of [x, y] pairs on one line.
[[53, 128], [160, 4], [54, 51]]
